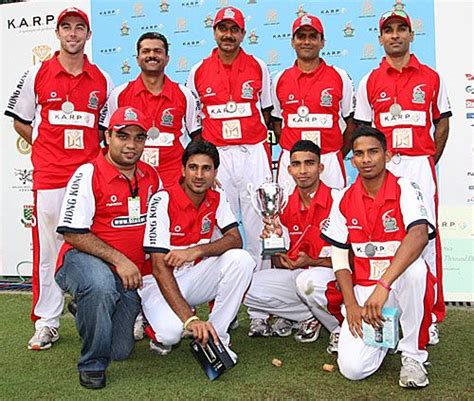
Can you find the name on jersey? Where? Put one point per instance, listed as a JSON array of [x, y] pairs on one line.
[[411, 117], [219, 111], [127, 221], [310, 121], [79, 118], [71, 199], [152, 226], [382, 249]]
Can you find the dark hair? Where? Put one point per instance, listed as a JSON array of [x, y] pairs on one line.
[[201, 147], [152, 35], [321, 34], [306, 146], [366, 130]]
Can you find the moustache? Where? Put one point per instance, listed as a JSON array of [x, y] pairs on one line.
[[151, 59]]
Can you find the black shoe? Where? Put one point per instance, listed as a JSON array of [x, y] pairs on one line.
[[72, 307], [93, 380]]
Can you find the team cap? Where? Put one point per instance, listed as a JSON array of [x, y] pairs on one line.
[[230, 14], [74, 11], [394, 14], [308, 20], [126, 117]]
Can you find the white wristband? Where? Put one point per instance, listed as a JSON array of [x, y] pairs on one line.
[[340, 259]]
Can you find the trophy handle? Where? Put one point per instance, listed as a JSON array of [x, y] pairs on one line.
[[251, 191], [286, 195]]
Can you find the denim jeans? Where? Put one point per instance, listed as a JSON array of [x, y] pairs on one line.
[[105, 311]]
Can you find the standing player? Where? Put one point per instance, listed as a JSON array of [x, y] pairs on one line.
[[309, 99], [103, 223], [188, 268], [404, 99], [291, 292], [234, 90], [56, 108], [385, 222], [172, 109]]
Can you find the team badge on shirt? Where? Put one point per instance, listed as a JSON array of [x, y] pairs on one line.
[[326, 98], [247, 90], [93, 100], [167, 118], [206, 224], [389, 222], [418, 94]]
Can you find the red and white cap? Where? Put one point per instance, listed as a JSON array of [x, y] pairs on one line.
[[73, 11], [126, 117], [230, 14], [394, 14], [308, 20]]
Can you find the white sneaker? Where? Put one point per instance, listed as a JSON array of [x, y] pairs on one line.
[[413, 374], [259, 328], [139, 328], [282, 327], [434, 334], [333, 345], [160, 348], [234, 324], [308, 330], [43, 338]]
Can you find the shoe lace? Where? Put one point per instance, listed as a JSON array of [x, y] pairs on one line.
[[412, 365], [308, 324]]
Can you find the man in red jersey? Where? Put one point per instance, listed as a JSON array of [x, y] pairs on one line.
[[56, 107], [384, 220], [171, 108], [406, 100], [309, 100], [234, 90], [103, 219]]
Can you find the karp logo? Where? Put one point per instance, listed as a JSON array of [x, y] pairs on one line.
[[30, 22]]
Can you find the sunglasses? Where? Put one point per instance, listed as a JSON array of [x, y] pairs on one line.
[[398, 13]]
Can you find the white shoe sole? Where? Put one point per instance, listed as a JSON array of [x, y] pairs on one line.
[[413, 384]]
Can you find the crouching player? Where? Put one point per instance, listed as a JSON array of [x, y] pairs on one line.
[[291, 292], [188, 268], [384, 220]]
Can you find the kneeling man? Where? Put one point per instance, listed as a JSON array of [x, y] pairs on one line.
[[188, 268]]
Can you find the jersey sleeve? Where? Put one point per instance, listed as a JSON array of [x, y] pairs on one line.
[[78, 207], [363, 109], [110, 106], [193, 111], [224, 216], [276, 112], [413, 207], [265, 96], [103, 110], [334, 230], [348, 94], [157, 232], [441, 107], [22, 103]]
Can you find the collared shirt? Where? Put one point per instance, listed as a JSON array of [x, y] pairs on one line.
[[97, 201], [174, 111], [247, 88], [423, 98], [327, 92], [174, 222], [377, 226], [61, 141], [299, 221]]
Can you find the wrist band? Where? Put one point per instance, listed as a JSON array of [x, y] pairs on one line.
[[386, 286], [191, 319]]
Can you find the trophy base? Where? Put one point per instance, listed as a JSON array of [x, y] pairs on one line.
[[272, 245]]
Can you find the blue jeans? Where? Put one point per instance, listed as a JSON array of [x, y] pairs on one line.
[[105, 311]]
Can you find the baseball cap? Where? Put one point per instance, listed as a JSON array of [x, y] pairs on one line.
[[392, 14], [126, 117], [73, 11], [230, 14], [308, 20]]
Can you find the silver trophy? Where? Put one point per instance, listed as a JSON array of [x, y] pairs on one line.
[[269, 200]]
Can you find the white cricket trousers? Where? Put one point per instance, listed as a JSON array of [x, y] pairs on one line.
[[333, 175], [412, 294], [223, 278], [48, 299], [239, 166]]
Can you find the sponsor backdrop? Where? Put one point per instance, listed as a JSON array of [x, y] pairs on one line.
[[351, 29]]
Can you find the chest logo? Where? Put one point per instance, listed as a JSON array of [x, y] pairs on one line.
[[167, 118], [389, 222], [206, 224], [247, 90], [418, 94], [326, 98], [93, 100]]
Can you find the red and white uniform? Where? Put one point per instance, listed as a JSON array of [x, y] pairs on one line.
[[174, 222], [421, 93], [356, 221], [283, 292], [239, 131], [97, 201], [61, 143], [174, 111], [328, 93]]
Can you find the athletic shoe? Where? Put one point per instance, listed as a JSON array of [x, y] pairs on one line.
[[434, 334], [333, 343], [282, 327], [72, 307], [232, 354], [234, 324], [308, 330], [43, 339], [139, 327], [413, 374], [160, 348], [259, 328]]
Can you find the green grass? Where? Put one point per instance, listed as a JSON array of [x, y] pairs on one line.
[[52, 375]]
